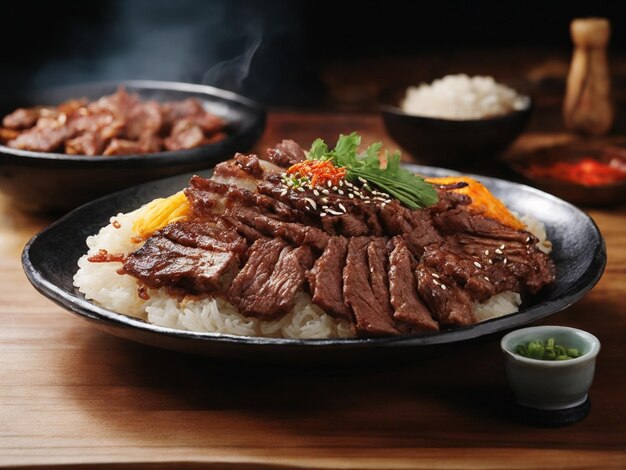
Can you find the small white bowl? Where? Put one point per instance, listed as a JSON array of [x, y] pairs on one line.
[[545, 384]]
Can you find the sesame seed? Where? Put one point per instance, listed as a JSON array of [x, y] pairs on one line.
[[435, 275], [325, 191], [502, 246], [443, 286], [322, 214], [362, 180], [300, 188], [329, 183], [334, 188], [383, 204], [283, 192], [367, 202], [477, 264], [340, 182], [324, 207], [486, 252], [351, 196], [316, 192], [311, 201], [340, 191], [342, 207], [290, 183], [334, 212], [490, 262], [487, 279], [382, 199], [527, 239], [324, 200], [349, 185], [437, 283], [505, 261], [498, 251]]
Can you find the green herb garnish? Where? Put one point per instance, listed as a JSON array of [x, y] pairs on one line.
[[549, 351], [391, 178]]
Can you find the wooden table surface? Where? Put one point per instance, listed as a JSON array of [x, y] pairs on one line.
[[72, 395]]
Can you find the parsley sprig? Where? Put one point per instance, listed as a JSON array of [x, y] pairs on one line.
[[391, 178]]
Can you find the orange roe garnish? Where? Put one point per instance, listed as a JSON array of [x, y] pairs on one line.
[[319, 172]]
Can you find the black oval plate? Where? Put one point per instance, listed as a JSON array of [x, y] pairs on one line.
[[50, 261]]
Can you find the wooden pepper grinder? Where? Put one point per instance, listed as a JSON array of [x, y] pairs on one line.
[[587, 108]]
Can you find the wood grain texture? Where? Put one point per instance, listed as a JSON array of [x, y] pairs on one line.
[[72, 395]]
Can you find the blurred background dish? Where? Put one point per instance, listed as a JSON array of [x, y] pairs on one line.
[[454, 141], [57, 181], [586, 173]]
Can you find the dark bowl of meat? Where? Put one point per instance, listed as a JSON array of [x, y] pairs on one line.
[[65, 146]]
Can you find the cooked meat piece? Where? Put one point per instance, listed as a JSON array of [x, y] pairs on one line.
[[161, 262], [200, 234], [326, 278], [118, 104], [407, 306], [250, 164], [124, 147], [286, 153], [72, 106], [25, 118], [89, 143], [450, 305], [377, 257], [7, 134], [268, 283], [241, 167], [143, 119], [350, 225], [460, 220], [369, 312], [175, 110], [295, 233], [249, 233], [103, 122], [47, 136], [415, 227], [470, 272], [186, 134]]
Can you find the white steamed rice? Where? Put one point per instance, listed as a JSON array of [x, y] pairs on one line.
[[462, 97], [101, 283]]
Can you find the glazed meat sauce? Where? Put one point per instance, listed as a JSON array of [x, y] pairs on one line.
[[118, 124], [388, 269]]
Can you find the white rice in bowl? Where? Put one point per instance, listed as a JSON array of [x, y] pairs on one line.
[[461, 97], [101, 283]]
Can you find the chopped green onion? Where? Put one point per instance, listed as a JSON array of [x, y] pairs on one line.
[[550, 351]]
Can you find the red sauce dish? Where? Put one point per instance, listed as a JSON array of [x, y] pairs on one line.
[[582, 174]]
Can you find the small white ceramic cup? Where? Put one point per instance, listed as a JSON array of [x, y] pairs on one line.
[[550, 385]]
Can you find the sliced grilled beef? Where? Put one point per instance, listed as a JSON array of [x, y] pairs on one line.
[[451, 305], [326, 281], [459, 220], [370, 315], [407, 306], [295, 233], [199, 234], [161, 262], [468, 271], [377, 258], [415, 227], [267, 285]]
